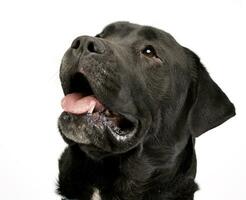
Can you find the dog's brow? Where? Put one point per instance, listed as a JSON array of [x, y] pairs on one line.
[[121, 29], [148, 33]]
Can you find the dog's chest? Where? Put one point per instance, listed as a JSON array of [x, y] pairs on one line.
[[96, 194]]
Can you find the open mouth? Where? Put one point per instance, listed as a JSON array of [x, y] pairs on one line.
[[81, 100]]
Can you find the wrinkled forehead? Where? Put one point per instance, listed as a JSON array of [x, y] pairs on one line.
[[126, 31]]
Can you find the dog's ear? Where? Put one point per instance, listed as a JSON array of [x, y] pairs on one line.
[[211, 107]]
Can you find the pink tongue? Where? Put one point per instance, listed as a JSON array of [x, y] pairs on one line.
[[77, 104]]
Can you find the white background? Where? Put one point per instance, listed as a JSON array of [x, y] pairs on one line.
[[35, 34]]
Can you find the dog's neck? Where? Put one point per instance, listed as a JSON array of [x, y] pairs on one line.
[[132, 176]]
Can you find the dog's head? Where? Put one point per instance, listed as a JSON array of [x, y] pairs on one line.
[[132, 83]]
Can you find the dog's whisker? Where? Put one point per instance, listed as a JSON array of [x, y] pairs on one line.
[[54, 76]]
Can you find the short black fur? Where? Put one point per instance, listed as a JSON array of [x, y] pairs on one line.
[[170, 99]]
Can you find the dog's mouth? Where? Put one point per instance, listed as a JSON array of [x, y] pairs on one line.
[[82, 101]]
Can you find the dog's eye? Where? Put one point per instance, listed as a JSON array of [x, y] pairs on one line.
[[149, 51]]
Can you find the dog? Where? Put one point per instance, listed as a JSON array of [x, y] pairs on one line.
[[135, 100]]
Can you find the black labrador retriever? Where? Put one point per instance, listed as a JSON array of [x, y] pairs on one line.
[[134, 102]]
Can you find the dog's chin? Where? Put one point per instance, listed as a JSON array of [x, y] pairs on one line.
[[98, 134], [94, 152]]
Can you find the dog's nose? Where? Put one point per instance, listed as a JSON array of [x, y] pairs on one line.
[[88, 44]]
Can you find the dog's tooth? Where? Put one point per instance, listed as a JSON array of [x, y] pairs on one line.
[[107, 112], [92, 108]]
